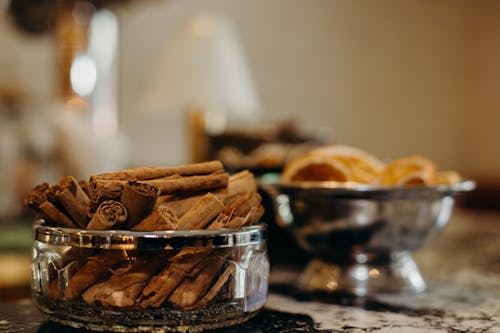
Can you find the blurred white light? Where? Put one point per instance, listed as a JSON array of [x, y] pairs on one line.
[[103, 39], [83, 75]]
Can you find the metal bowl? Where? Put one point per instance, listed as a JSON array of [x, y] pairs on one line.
[[362, 236]]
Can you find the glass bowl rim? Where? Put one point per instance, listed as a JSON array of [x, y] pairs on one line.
[[364, 191], [149, 240]]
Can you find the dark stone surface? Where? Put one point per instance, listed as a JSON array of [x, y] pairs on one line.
[[24, 317]]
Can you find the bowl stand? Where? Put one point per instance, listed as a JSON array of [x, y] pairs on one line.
[[363, 274]]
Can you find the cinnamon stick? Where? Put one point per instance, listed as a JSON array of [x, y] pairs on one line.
[[123, 290], [216, 287], [198, 216], [239, 183], [103, 189], [146, 173], [196, 183], [192, 290], [239, 211], [161, 218], [75, 201], [38, 200], [138, 199], [93, 270], [163, 284], [109, 214], [85, 185]]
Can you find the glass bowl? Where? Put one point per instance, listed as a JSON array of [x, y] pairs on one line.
[[166, 281], [362, 237]]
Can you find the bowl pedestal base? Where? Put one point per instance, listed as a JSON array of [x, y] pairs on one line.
[[364, 274]]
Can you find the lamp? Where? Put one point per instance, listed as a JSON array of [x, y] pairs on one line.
[[204, 71]]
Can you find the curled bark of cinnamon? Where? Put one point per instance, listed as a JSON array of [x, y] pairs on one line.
[[74, 200], [145, 173], [191, 290], [103, 189], [38, 200], [162, 218], [239, 183], [139, 199], [109, 214], [195, 183], [198, 216], [161, 286], [123, 290], [215, 288], [93, 270], [241, 210]]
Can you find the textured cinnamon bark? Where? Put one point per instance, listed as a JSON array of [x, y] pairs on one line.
[[244, 209], [255, 215], [192, 290], [72, 260], [161, 286], [103, 189], [145, 173], [204, 211], [85, 185], [123, 290], [139, 199], [161, 218], [109, 214], [75, 201], [216, 287], [38, 200], [239, 183], [93, 270], [196, 183]]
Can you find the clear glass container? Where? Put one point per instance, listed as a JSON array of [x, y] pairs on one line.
[[168, 281]]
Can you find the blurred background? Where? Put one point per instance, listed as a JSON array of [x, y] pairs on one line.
[[95, 86]]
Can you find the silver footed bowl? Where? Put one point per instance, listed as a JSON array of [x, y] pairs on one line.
[[362, 236]]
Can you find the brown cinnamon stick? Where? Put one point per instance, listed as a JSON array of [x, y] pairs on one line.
[[71, 261], [255, 215], [239, 183], [192, 290], [145, 173], [123, 290], [239, 211], [109, 214], [103, 189], [161, 218], [38, 200], [75, 201], [85, 185], [139, 199], [216, 287], [196, 183], [93, 270], [161, 286], [198, 216]]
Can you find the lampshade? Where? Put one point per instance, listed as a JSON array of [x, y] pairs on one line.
[[204, 66]]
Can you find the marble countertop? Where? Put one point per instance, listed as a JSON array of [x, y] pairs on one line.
[[461, 267], [462, 270]]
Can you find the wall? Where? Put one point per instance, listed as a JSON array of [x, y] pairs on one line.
[[393, 77]]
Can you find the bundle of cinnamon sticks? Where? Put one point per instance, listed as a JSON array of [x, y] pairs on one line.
[[186, 197]]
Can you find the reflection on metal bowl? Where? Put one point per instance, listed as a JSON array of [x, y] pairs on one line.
[[362, 236]]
